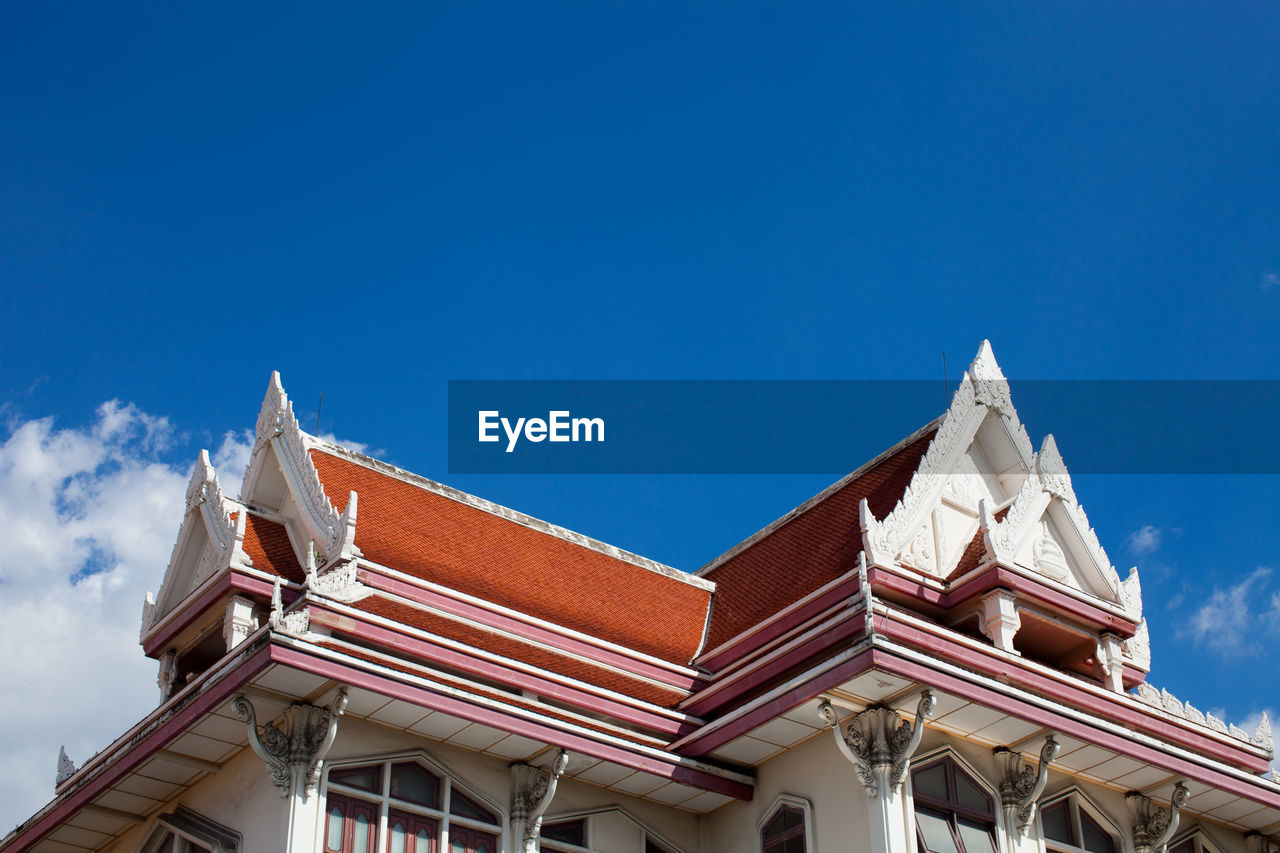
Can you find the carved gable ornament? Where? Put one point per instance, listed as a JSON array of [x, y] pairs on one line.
[[981, 477], [210, 541], [280, 443]]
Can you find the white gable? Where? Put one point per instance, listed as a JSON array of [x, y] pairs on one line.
[[980, 476], [209, 542]]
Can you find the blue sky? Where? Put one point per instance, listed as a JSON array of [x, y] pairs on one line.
[[376, 202]]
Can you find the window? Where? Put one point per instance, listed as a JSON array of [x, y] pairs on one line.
[[953, 812], [567, 832], [575, 833], [785, 827], [1071, 825], [404, 806], [186, 831], [784, 833], [1192, 842]]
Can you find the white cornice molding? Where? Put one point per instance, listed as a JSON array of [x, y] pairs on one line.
[[277, 428]]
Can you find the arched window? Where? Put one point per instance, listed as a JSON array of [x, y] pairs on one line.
[[415, 808], [786, 826], [1073, 825], [953, 812]]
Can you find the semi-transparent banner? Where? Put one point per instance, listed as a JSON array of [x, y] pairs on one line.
[[831, 427]]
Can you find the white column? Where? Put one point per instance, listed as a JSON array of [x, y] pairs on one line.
[[879, 744], [1000, 619]]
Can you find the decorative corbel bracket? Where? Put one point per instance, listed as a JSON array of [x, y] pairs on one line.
[[294, 754], [878, 742], [532, 790], [1021, 785], [1154, 825]]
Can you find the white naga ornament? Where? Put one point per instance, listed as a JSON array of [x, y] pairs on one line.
[[1021, 784], [532, 789], [878, 742], [1154, 825], [294, 754]]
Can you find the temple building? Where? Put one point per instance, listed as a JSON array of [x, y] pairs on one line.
[[933, 655]]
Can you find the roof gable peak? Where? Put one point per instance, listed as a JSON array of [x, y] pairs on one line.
[[982, 396], [209, 540], [280, 438]]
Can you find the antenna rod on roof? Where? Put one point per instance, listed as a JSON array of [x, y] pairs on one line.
[[944, 379], [319, 409]]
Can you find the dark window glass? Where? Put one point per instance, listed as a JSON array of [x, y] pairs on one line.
[[953, 813], [931, 782], [1184, 847], [413, 784], [1057, 823], [1096, 839], [570, 832], [970, 796], [364, 778], [463, 806], [784, 831]]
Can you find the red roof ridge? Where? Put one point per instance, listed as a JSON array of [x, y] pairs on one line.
[[515, 516], [818, 498]]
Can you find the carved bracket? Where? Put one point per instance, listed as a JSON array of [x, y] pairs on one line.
[[294, 754], [1154, 825], [532, 790], [1021, 785], [879, 743]]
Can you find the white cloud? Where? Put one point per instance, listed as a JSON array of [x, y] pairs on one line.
[[357, 446], [1270, 281], [1227, 621], [1144, 540], [231, 459], [90, 515]]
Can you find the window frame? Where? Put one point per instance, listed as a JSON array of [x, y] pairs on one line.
[[1201, 841], [788, 801], [384, 803], [648, 835], [188, 827], [936, 807], [1081, 800]]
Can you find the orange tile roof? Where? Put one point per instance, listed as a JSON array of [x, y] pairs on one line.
[[432, 537], [267, 545], [814, 547], [519, 650]]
